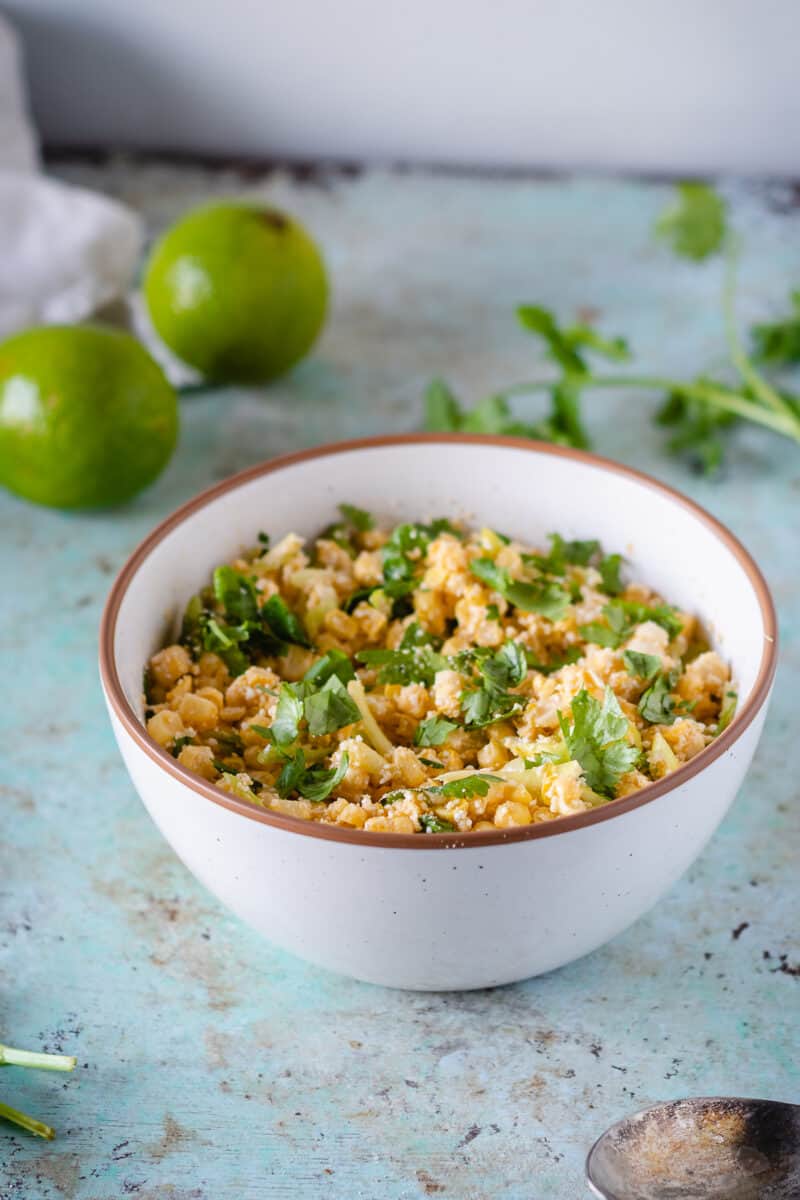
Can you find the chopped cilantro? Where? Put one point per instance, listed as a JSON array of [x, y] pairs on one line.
[[643, 665], [416, 659], [695, 224], [285, 727], [488, 700], [430, 823], [434, 731], [334, 662], [235, 594], [355, 598], [263, 539], [283, 623], [312, 783], [622, 616], [147, 685], [230, 740], [262, 731], [179, 743], [464, 788], [508, 667], [570, 656], [657, 705], [393, 797], [359, 518], [492, 612], [597, 739], [563, 553], [609, 568], [431, 762], [540, 596], [330, 708]]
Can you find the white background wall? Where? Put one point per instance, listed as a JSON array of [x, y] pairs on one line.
[[648, 84]]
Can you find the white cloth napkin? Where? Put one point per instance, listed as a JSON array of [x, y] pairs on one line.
[[64, 251]]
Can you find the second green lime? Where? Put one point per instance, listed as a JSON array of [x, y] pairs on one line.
[[238, 291]]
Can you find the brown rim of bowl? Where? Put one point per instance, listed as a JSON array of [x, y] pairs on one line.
[[414, 841]]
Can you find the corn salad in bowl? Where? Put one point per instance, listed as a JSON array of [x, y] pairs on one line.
[[430, 677]]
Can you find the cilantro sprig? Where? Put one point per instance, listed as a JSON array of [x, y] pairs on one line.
[[597, 739], [698, 411], [487, 698]]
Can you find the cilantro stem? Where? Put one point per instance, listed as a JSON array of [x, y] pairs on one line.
[[10, 1057], [26, 1122], [739, 357], [781, 421]]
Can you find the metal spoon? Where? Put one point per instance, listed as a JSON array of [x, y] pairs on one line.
[[705, 1148]]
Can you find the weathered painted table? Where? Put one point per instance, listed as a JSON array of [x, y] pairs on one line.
[[213, 1066]]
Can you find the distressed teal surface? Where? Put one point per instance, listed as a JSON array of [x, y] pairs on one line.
[[212, 1066]]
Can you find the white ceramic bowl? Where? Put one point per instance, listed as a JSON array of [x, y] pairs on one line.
[[444, 911]]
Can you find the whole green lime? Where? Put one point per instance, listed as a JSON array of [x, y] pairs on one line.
[[87, 419], [237, 290]]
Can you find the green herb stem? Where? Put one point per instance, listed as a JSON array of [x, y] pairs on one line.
[[781, 421], [753, 378], [26, 1122], [10, 1057]]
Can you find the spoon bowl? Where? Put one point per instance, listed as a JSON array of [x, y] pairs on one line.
[[705, 1148]]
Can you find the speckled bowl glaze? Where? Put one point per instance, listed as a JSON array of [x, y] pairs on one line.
[[444, 911]]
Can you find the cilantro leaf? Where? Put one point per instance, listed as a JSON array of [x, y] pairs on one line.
[[285, 727], [540, 596], [432, 824], [778, 342], [330, 708], [597, 740], [574, 553], [695, 224], [464, 788], [697, 427], [224, 641], [334, 662], [570, 656], [359, 518], [416, 659], [564, 345], [488, 701], [609, 568], [283, 623], [643, 665], [547, 599], [508, 667], [313, 783], [622, 616], [434, 731], [442, 410], [235, 594], [657, 705]]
